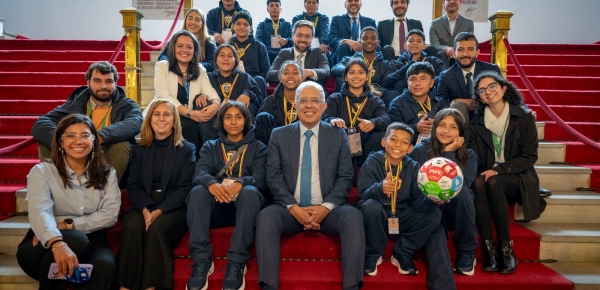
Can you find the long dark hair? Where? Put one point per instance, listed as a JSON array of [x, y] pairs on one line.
[[193, 70], [233, 50], [436, 148], [512, 94], [243, 109], [97, 171]]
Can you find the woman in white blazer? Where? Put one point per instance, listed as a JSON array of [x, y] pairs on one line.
[[182, 80]]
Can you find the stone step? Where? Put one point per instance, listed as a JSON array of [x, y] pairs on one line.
[[148, 79], [585, 276], [148, 67], [154, 55], [551, 152], [12, 277], [568, 242], [568, 207], [563, 177], [12, 231]]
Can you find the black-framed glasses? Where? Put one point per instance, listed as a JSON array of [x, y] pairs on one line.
[[491, 87]]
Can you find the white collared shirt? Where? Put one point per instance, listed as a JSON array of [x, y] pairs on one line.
[[452, 24], [472, 70], [396, 40]]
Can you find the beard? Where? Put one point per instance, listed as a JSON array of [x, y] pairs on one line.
[[103, 95], [469, 65], [299, 49]]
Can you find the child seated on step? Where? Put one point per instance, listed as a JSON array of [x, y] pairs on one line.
[[392, 204], [275, 32]]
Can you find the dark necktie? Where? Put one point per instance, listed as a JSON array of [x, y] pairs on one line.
[[306, 172], [401, 36], [354, 28], [470, 87]]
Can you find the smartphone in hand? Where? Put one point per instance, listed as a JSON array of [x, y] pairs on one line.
[[81, 274]]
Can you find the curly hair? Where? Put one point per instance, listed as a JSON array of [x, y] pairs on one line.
[[512, 94]]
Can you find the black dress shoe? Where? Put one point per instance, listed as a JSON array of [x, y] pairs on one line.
[[489, 256], [509, 261], [544, 192]]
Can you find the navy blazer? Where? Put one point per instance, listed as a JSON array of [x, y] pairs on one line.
[[452, 84], [176, 179], [315, 59], [385, 29], [335, 164], [340, 28]]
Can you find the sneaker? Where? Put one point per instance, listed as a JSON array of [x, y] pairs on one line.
[[234, 277], [199, 278], [405, 266], [371, 264], [465, 264], [544, 192]]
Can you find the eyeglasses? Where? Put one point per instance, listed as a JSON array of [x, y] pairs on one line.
[[313, 101], [491, 87], [73, 137]]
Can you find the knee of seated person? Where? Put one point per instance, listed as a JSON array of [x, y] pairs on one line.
[[267, 217], [43, 153], [371, 207], [351, 216], [77, 241], [199, 193], [105, 262], [493, 182], [249, 191], [117, 156]]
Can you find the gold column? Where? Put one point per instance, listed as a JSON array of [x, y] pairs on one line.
[[438, 8], [132, 24], [500, 27], [187, 4]]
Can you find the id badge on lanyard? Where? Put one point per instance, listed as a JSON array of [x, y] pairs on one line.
[[355, 144]]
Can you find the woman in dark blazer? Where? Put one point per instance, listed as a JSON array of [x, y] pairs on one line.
[[160, 178], [504, 137]]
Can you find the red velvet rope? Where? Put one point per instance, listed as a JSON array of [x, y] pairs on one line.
[[162, 44], [580, 137], [16, 147], [118, 50]]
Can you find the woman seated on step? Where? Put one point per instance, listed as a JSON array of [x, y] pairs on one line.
[[72, 199], [231, 83], [160, 177], [195, 22], [504, 137], [184, 82]]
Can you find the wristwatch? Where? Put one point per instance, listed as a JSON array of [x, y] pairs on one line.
[[69, 223], [188, 115]]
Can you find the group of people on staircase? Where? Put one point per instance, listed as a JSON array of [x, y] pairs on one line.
[[213, 151]]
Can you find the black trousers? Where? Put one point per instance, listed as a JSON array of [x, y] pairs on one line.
[[204, 213], [344, 220], [145, 257], [90, 249], [417, 230]]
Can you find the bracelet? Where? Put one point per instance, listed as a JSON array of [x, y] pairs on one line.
[[60, 244], [56, 241]]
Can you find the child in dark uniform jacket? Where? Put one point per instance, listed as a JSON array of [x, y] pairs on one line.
[[356, 108], [275, 32], [319, 21], [392, 203], [416, 106]]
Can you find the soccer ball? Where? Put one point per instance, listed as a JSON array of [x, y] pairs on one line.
[[440, 179]]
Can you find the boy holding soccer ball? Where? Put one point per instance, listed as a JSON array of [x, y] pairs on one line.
[[392, 204]]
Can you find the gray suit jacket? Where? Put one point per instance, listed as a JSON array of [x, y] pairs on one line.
[[335, 164], [315, 59], [439, 31]]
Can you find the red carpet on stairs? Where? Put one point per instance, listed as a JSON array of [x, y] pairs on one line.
[[38, 75]]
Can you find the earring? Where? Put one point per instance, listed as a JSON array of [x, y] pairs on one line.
[[60, 149], [92, 153]]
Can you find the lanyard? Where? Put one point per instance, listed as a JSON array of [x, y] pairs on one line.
[[371, 70], [240, 160], [186, 86], [229, 19], [498, 140], [227, 88], [360, 108], [314, 23], [90, 109], [289, 116], [394, 197], [425, 106], [242, 51], [276, 26]]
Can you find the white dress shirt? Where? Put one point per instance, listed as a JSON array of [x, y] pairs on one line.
[[396, 40], [452, 24]]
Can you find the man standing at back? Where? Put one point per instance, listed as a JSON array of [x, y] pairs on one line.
[[219, 20], [312, 60], [117, 118], [393, 32], [345, 29], [443, 30], [309, 172]]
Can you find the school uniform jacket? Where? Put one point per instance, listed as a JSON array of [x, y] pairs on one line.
[[395, 76], [405, 108], [374, 110], [321, 27], [211, 161], [265, 30], [213, 18], [256, 58], [273, 105], [244, 85], [381, 66], [370, 182]]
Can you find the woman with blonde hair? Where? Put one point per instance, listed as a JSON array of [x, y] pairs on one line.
[[160, 177], [195, 22]]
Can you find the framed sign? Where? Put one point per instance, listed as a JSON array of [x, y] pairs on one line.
[[475, 9], [157, 9]]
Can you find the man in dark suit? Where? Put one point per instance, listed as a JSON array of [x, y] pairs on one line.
[[393, 32], [309, 179], [344, 31], [312, 60], [456, 83], [443, 30]]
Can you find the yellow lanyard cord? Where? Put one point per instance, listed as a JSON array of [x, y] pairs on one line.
[[276, 26], [289, 116], [394, 197], [242, 51], [228, 23], [371, 70], [227, 95], [425, 106], [240, 160], [360, 108]]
